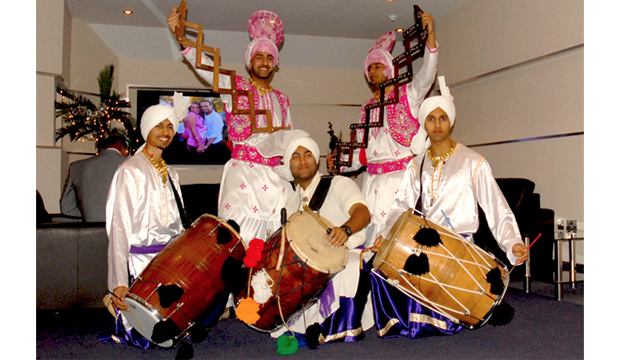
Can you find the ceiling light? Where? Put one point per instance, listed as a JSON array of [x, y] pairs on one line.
[[400, 30], [128, 12]]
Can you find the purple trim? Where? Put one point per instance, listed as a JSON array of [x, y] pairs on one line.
[[153, 249]]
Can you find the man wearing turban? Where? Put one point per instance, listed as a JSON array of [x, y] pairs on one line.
[[392, 146], [455, 180], [345, 207], [251, 194], [142, 215]]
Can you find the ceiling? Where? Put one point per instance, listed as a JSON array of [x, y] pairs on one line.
[[364, 19]]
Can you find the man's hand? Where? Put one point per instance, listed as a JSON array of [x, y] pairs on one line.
[[120, 292], [338, 236], [427, 22], [329, 158], [173, 20], [378, 243], [520, 252]]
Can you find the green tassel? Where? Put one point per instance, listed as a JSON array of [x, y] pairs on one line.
[[287, 345]]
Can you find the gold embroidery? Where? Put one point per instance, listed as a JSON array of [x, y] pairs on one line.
[[387, 327], [425, 319], [340, 335]]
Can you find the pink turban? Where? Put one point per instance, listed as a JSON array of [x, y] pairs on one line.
[[264, 45], [380, 52]]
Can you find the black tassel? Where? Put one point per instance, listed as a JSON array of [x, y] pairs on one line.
[[417, 265], [312, 335], [427, 237], [502, 314], [224, 235], [168, 294], [198, 332], [494, 277], [234, 225], [233, 275], [185, 352], [164, 330]]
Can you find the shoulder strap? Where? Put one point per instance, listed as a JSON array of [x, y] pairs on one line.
[[321, 192], [187, 222], [418, 205]]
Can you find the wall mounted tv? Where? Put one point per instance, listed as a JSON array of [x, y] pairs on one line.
[[206, 121]]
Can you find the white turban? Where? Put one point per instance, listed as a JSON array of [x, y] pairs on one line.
[[445, 101], [285, 170], [158, 113]]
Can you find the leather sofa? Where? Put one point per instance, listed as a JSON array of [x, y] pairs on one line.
[[72, 256], [532, 220]]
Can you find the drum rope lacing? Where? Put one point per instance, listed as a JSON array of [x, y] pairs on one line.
[[468, 245], [434, 280], [437, 307]]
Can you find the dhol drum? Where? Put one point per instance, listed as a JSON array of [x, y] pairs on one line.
[[183, 280], [308, 263], [455, 281]]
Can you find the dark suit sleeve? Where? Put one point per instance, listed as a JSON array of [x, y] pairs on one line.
[[68, 202]]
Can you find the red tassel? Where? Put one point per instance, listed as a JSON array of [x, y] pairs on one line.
[[363, 159]]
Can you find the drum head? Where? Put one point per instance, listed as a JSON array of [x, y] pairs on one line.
[[307, 240], [388, 244], [143, 318]]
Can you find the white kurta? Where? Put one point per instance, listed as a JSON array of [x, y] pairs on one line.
[[251, 194], [342, 195], [380, 189], [140, 211], [456, 187]]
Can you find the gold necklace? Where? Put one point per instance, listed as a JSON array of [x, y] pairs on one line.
[[159, 166], [438, 159], [261, 89], [388, 89]]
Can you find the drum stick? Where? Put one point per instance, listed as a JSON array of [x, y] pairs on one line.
[[317, 218], [282, 239], [362, 254]]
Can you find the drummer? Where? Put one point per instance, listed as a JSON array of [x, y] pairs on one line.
[[346, 208], [455, 180], [141, 212]]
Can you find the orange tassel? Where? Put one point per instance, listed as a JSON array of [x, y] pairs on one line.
[[247, 311]]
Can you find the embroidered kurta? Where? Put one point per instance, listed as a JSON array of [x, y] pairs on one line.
[[140, 211], [342, 195], [391, 147], [456, 187], [251, 193]]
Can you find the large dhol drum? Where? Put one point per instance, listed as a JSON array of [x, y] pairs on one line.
[[189, 269], [308, 263], [455, 283]]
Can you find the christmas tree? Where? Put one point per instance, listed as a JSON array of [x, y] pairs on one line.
[[83, 120]]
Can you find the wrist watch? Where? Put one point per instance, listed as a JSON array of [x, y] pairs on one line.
[[347, 229]]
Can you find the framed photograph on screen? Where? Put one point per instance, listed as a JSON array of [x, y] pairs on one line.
[[202, 136]]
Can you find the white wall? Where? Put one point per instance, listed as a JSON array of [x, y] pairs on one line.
[[324, 80], [516, 70]]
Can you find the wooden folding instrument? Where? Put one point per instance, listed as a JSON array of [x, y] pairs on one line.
[[417, 31], [217, 70]]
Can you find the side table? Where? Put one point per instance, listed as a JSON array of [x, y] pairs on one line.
[[560, 276]]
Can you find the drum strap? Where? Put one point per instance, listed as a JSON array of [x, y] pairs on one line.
[[187, 222], [418, 205], [321, 192]]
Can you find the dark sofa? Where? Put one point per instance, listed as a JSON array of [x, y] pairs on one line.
[[532, 220], [72, 256]]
